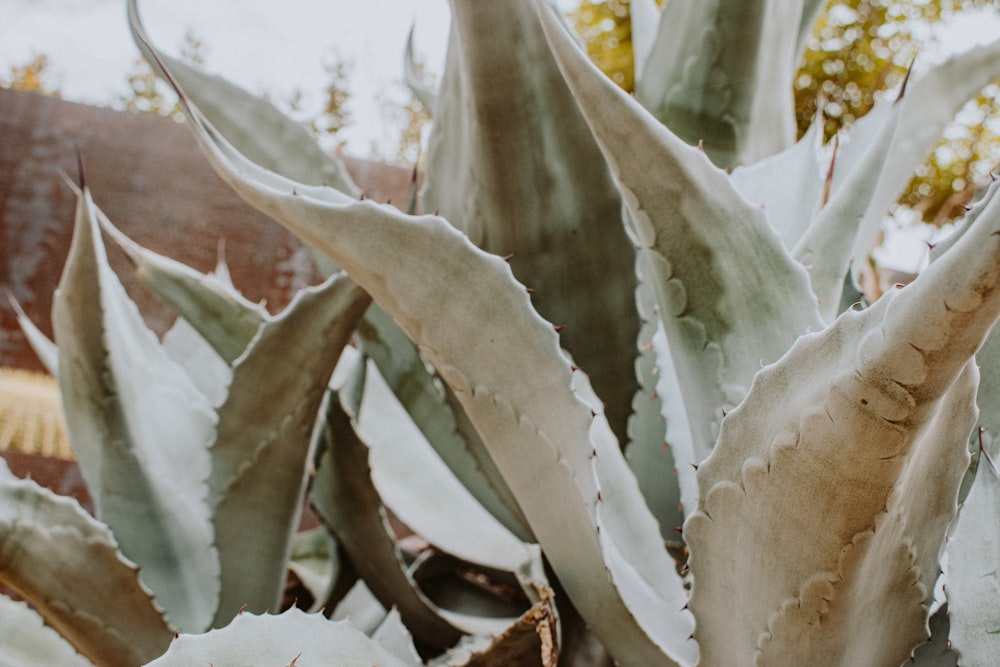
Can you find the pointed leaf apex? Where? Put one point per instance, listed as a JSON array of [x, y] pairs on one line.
[[828, 183], [906, 80], [81, 176]]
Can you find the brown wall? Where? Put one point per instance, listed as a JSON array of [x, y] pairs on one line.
[[148, 175]]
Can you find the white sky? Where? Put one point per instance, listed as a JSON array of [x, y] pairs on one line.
[[273, 46], [282, 46], [261, 45]]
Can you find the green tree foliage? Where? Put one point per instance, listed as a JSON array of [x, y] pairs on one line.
[[34, 76], [859, 48], [607, 31], [334, 115]]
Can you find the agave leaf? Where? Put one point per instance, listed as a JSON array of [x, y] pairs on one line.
[[262, 450], [346, 500], [730, 297], [988, 356], [46, 350], [930, 104], [139, 427], [644, 18], [647, 452], [554, 211], [840, 441], [214, 308], [49, 551], [989, 391], [771, 182], [433, 504], [718, 73], [825, 248], [315, 562], [937, 652], [440, 419], [25, 640], [249, 122], [412, 76], [285, 639], [210, 373], [972, 586], [393, 635], [361, 608], [533, 430]]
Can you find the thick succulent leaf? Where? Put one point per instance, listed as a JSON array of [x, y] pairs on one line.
[[930, 104], [46, 350], [25, 640], [414, 79], [210, 372], [68, 566], [505, 366], [645, 18], [989, 391], [787, 185], [555, 211], [315, 562], [988, 357], [261, 453], [434, 504], [718, 73], [648, 454], [972, 585], [395, 637], [937, 652], [347, 501], [826, 247], [361, 608], [678, 429], [139, 427], [253, 124], [217, 311], [730, 296], [840, 441], [438, 416], [293, 637]]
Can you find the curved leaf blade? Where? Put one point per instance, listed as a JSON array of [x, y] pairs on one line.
[[255, 125], [345, 497], [439, 417], [261, 453], [718, 73], [730, 296], [527, 427], [49, 551], [841, 440], [555, 212], [266, 641], [210, 304], [139, 427], [25, 640]]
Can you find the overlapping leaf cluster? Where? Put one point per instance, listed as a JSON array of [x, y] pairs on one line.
[[549, 468]]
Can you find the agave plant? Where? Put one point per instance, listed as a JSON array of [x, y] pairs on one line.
[[751, 467]]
